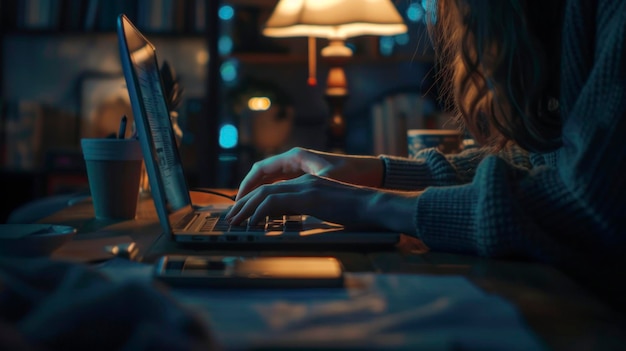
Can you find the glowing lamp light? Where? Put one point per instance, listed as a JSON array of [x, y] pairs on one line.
[[228, 71], [229, 136], [415, 12], [202, 57], [226, 13], [402, 39], [386, 45], [335, 20], [225, 45], [430, 10], [259, 103]]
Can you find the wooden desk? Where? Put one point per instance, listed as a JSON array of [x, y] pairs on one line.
[[559, 310]]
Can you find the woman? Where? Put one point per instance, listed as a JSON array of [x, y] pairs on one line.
[[549, 182]]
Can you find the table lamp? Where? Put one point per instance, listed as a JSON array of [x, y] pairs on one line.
[[335, 20]]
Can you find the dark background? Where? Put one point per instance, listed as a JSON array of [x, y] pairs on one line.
[[47, 61]]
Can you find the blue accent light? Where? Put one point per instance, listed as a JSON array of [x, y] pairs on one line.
[[228, 136], [430, 10], [415, 12], [386, 45], [226, 13], [228, 71], [402, 39], [225, 45]]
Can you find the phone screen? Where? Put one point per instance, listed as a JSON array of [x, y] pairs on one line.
[[285, 267], [259, 272]]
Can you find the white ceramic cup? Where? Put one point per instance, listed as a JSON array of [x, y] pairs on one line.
[[448, 141]]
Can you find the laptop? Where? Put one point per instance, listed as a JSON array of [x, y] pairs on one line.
[[179, 218]]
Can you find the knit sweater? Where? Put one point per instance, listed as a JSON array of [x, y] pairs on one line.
[[549, 207]]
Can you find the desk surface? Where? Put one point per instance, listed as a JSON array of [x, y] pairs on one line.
[[559, 310]]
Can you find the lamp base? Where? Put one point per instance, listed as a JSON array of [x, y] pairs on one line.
[[336, 54], [336, 124]]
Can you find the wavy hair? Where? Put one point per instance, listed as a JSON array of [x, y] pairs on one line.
[[498, 68]]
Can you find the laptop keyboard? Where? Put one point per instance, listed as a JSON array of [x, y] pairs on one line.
[[285, 223]]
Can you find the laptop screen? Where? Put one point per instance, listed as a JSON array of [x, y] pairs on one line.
[[154, 128]]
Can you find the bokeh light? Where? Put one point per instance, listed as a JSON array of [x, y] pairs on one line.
[[228, 136], [226, 12]]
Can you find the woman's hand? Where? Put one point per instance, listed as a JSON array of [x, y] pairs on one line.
[[357, 170], [329, 200]]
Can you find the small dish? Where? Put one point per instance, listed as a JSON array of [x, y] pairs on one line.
[[33, 239]]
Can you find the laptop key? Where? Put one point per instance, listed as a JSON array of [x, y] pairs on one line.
[[184, 222], [293, 226], [238, 228], [221, 227], [293, 223], [209, 224], [293, 218], [257, 227], [275, 227], [275, 218]]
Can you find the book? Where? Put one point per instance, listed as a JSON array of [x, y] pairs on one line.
[[23, 136], [91, 15], [200, 17], [392, 117], [378, 122], [38, 14]]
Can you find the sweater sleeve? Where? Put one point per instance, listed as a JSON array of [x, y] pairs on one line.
[[432, 168], [554, 211]]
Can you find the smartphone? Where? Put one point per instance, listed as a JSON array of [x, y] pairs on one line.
[[249, 272]]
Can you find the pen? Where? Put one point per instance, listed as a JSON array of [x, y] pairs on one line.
[[122, 131]]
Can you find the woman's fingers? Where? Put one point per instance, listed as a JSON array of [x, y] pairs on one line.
[[267, 199], [273, 204], [307, 194], [280, 167], [242, 208], [328, 200], [286, 197], [254, 178]]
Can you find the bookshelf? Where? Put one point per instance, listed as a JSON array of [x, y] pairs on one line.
[[169, 17], [70, 21]]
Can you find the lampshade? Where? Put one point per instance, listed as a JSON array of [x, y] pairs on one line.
[[334, 19]]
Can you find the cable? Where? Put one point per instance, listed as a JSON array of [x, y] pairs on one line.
[[213, 192]]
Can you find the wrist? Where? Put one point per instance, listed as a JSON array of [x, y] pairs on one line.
[[395, 210], [364, 171], [352, 169]]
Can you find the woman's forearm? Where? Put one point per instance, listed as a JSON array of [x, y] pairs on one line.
[[352, 169]]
